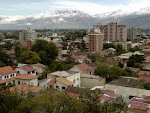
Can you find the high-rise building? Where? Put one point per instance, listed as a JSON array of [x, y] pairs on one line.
[[113, 31], [27, 34], [96, 39], [131, 33]]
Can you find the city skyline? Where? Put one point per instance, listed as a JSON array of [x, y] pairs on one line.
[[29, 7]]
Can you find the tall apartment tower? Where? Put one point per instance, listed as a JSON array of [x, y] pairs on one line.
[[113, 31], [27, 34], [131, 33], [95, 41]]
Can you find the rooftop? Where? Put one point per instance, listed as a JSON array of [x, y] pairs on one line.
[[27, 68], [7, 70], [84, 68], [58, 44], [26, 77], [64, 81], [40, 65]]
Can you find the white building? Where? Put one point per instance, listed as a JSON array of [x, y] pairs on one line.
[[26, 70], [27, 34], [63, 79], [26, 79], [39, 68], [7, 75]]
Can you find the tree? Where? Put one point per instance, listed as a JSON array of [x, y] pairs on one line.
[[83, 45], [109, 72], [18, 51], [131, 63], [133, 49], [29, 57], [147, 86], [108, 45], [47, 51]]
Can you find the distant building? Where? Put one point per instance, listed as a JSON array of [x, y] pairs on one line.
[[131, 33], [95, 41], [27, 34], [113, 31], [26, 70]]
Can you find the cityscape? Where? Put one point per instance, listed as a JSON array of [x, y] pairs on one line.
[[75, 56]]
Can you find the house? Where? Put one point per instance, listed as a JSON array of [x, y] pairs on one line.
[[110, 51], [145, 48], [90, 81], [25, 89], [60, 47], [7, 75], [147, 59], [79, 59], [63, 79], [108, 96], [26, 79], [27, 44], [26, 70], [144, 75], [39, 68], [82, 68]]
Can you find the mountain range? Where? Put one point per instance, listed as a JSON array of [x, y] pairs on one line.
[[73, 19]]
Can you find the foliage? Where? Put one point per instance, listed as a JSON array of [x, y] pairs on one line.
[[83, 45], [47, 51], [147, 86], [93, 58], [134, 49], [135, 60], [44, 74], [29, 57], [109, 72], [100, 59], [108, 45], [4, 58], [19, 51], [8, 45]]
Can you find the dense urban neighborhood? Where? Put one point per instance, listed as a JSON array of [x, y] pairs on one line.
[[104, 69]]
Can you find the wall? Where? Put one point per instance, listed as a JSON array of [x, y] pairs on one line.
[[90, 81], [76, 78], [21, 71], [60, 85], [33, 82], [9, 76]]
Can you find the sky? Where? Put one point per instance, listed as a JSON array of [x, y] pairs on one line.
[[30, 7]]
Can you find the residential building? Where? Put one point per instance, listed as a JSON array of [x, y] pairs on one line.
[[27, 34], [26, 70], [39, 68], [95, 41], [7, 75], [27, 44], [131, 33], [113, 31], [79, 59], [82, 68], [26, 79], [63, 79], [25, 89], [90, 81]]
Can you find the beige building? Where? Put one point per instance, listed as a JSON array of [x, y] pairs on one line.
[[113, 31], [95, 41]]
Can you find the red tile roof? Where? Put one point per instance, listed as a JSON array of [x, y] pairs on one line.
[[73, 95], [40, 65], [23, 43], [106, 98], [58, 44], [52, 82], [84, 68], [147, 59], [27, 68], [144, 100], [110, 93], [6, 80], [144, 75], [145, 47], [78, 57], [7, 70], [26, 77], [138, 105]]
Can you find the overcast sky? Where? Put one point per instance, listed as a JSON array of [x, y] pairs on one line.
[[29, 7]]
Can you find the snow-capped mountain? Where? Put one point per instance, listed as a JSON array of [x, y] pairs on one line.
[[74, 19]]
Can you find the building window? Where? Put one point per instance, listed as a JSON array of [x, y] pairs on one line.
[[57, 86], [74, 80], [33, 71], [7, 76], [18, 72], [11, 75], [18, 82], [63, 88], [28, 72]]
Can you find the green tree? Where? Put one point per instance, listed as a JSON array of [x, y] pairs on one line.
[[83, 45], [47, 51], [147, 86], [134, 49], [29, 57]]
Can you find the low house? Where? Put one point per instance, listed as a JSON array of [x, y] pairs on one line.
[[82, 68], [145, 48], [26, 70], [147, 59], [144, 75], [63, 79], [26, 79], [110, 51], [27, 44], [7, 75], [25, 89], [79, 59], [90, 81], [39, 68], [108, 96]]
